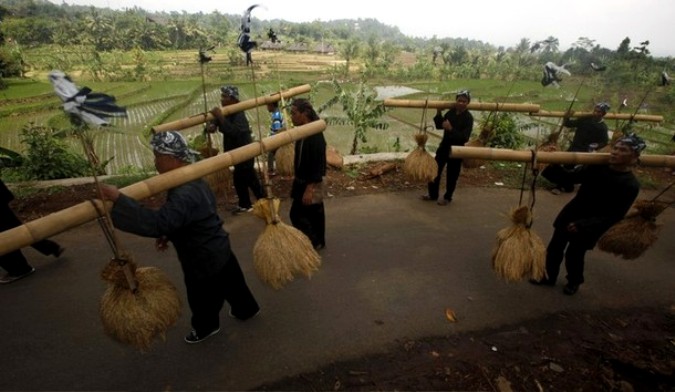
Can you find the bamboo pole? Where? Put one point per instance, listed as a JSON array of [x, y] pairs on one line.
[[484, 106], [201, 118], [608, 116], [84, 212], [572, 158]]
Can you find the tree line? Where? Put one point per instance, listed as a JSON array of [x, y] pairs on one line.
[[26, 24]]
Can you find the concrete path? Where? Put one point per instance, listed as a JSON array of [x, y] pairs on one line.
[[392, 266]]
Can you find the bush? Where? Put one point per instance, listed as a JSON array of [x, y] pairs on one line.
[[505, 132], [48, 157]]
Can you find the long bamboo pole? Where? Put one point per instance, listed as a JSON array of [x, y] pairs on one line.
[[484, 106], [84, 212], [608, 116], [572, 158], [200, 118]]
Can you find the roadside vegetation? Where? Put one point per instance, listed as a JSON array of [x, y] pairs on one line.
[[149, 62]]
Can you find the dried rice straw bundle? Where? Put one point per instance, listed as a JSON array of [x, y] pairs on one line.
[[284, 158], [419, 165], [137, 317], [520, 252], [480, 141], [281, 251], [634, 234], [219, 181]]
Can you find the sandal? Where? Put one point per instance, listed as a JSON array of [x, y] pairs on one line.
[[426, 198], [443, 202]]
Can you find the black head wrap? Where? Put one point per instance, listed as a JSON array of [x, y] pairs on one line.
[[634, 142]]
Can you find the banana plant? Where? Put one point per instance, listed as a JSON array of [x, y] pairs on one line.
[[362, 111]]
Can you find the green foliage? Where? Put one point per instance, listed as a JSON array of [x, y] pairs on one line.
[[362, 109], [48, 157], [505, 132]]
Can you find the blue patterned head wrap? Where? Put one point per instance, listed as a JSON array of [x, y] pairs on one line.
[[230, 91], [603, 107], [172, 143], [634, 142]]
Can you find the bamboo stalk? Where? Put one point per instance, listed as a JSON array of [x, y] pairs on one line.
[[201, 118], [608, 116], [484, 106], [572, 158], [84, 212]]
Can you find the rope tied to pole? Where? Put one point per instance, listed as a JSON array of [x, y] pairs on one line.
[[118, 256]]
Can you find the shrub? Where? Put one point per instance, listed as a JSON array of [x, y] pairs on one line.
[[48, 157]]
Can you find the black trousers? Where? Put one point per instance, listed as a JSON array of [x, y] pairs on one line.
[[15, 262], [311, 220], [565, 245], [206, 297], [245, 178], [452, 175]]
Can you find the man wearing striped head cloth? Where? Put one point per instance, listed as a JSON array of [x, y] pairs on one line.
[[189, 219], [604, 197]]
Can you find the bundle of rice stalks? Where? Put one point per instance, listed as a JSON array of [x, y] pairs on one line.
[[281, 251], [284, 159], [480, 141], [137, 317], [519, 253], [634, 234], [419, 165], [219, 181]]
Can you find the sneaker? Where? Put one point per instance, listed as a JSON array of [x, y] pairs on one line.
[[12, 278], [570, 289], [193, 338]]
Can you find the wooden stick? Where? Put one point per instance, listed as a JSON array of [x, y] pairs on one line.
[[201, 118], [572, 158], [608, 116], [484, 106], [84, 212]]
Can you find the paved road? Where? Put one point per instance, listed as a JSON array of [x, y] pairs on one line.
[[392, 266]]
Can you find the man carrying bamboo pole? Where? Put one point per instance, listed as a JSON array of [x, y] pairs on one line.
[[604, 197], [237, 133], [457, 125], [189, 219], [590, 135]]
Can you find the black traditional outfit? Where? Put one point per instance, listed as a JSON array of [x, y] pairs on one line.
[[462, 126], [189, 220], [237, 133], [603, 199], [310, 168]]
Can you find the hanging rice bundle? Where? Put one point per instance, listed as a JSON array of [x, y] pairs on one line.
[[281, 251], [136, 317], [284, 157], [419, 165], [634, 234], [219, 181], [480, 141], [519, 253]]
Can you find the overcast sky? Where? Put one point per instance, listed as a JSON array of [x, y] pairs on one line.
[[498, 22]]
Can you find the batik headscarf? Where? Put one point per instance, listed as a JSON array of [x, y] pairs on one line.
[[634, 142], [230, 91], [603, 107], [172, 143]]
